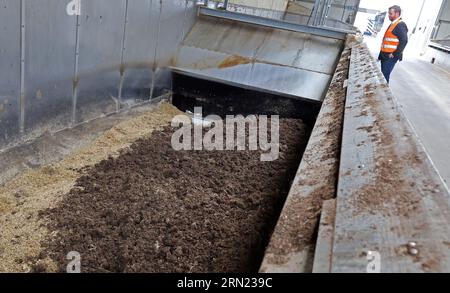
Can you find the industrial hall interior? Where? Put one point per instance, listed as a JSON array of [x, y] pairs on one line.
[[225, 136]]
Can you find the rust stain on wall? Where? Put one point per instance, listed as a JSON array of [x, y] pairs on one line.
[[234, 60]]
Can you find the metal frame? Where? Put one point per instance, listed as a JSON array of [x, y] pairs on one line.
[[256, 20]]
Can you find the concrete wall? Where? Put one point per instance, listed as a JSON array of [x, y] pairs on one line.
[[58, 68]]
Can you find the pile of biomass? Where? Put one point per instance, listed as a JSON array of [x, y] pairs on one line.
[[154, 209], [24, 197]]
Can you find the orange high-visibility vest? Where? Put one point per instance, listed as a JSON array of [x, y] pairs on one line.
[[390, 41]]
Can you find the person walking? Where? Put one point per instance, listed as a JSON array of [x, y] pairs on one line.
[[394, 42]]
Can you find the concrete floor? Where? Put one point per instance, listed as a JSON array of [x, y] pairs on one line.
[[423, 91]]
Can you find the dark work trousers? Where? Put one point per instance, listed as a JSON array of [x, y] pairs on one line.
[[387, 65]]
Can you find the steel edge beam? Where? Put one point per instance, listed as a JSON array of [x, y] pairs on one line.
[[274, 23]]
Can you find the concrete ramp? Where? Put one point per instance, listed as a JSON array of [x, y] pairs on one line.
[[287, 63]]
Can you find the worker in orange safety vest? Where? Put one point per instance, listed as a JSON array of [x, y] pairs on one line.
[[394, 42]]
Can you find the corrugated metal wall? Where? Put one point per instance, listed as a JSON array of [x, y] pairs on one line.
[[9, 69], [57, 70], [60, 66]]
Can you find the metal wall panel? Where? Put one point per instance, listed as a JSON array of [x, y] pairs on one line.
[[49, 46], [174, 25], [266, 44], [171, 29], [293, 64], [153, 33], [9, 69], [313, 53], [272, 78], [190, 17], [139, 52], [101, 38], [77, 68], [226, 36]]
